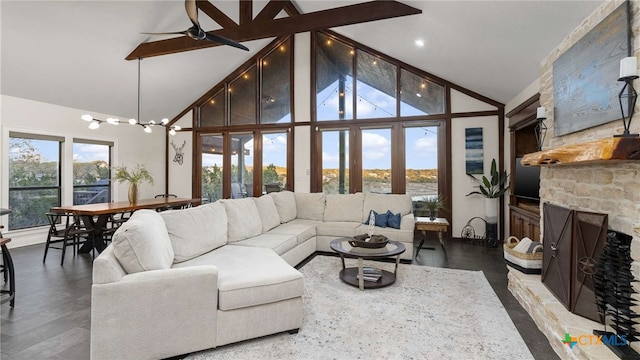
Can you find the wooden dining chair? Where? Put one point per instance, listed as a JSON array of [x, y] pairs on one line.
[[70, 235]]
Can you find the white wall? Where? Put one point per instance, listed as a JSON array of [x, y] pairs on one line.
[[131, 146], [180, 176], [467, 207]]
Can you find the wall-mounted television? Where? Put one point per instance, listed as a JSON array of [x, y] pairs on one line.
[[526, 181]]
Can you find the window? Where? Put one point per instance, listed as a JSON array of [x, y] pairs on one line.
[[242, 98], [375, 88], [275, 94], [241, 165], [91, 172], [212, 151], [274, 160], [334, 79], [420, 96], [421, 149], [376, 160], [212, 111], [335, 161], [34, 178]]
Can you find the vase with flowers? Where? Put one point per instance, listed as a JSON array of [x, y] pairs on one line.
[[135, 177]]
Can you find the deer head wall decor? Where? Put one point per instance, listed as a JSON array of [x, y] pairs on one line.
[[179, 158]]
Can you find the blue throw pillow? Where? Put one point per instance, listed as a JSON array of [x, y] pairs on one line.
[[380, 219], [393, 220]]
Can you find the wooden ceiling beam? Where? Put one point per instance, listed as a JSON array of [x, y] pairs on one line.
[[291, 9], [325, 19], [215, 14], [246, 11]]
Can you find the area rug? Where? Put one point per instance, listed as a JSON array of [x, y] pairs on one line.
[[428, 313]]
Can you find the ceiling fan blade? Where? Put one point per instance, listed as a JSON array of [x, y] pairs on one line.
[[192, 11], [224, 40], [166, 33]]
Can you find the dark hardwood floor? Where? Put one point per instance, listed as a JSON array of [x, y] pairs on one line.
[[51, 318]]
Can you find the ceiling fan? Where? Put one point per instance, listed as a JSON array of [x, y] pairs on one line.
[[196, 33]]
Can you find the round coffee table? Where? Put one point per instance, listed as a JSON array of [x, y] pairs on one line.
[[356, 276]]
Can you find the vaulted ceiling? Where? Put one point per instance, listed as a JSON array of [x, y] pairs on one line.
[[72, 53]]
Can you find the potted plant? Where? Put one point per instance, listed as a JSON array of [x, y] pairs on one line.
[[134, 177], [492, 189], [432, 203]]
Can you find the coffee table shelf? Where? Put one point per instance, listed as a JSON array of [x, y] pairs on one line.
[[354, 275]]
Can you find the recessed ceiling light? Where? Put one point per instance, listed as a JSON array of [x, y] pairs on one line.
[[420, 43]]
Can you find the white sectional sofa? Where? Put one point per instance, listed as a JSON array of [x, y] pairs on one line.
[[180, 281]]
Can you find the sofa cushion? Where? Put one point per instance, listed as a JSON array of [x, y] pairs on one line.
[[346, 207], [338, 228], [196, 230], [286, 204], [249, 276], [268, 212], [280, 243], [142, 243], [393, 220], [382, 202], [302, 229], [310, 206], [243, 219], [380, 220]]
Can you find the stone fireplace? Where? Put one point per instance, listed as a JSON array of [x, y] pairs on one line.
[[608, 187]]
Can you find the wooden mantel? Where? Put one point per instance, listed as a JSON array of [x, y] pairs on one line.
[[614, 148]]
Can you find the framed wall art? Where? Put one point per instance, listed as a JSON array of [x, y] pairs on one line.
[[474, 151]]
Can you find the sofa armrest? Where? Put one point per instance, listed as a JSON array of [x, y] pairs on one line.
[[408, 222], [142, 315]]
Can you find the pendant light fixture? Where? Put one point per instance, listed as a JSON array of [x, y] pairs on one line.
[[147, 126]]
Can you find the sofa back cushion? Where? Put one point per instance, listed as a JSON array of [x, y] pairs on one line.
[[380, 203], [268, 212], [243, 219], [310, 206], [286, 204], [346, 207], [196, 231], [142, 243]]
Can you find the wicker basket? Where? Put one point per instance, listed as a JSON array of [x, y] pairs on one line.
[[376, 242], [530, 263]]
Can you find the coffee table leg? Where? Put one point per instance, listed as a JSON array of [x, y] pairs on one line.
[[395, 271], [424, 236], [360, 275]]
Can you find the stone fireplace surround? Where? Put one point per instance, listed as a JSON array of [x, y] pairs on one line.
[[611, 187]]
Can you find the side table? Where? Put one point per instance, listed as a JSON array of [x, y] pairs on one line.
[[439, 225]]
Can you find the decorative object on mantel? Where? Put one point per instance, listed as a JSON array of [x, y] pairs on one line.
[[95, 123], [582, 95], [541, 128], [371, 242], [134, 177], [618, 148], [179, 157], [492, 190], [628, 73], [523, 255], [614, 292]]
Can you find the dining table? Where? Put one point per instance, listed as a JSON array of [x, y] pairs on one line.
[[96, 216]]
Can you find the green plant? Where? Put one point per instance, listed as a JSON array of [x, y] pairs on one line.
[[432, 202], [494, 187], [136, 176]]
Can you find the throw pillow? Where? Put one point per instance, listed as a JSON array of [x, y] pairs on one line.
[[142, 243], [380, 219], [393, 220]]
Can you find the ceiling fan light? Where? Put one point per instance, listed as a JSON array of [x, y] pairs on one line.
[[86, 117], [172, 132], [147, 129], [94, 125]]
